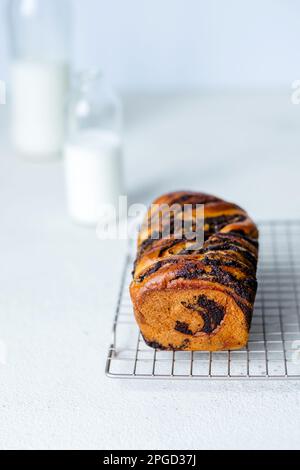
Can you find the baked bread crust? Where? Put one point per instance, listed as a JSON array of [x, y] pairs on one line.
[[196, 299]]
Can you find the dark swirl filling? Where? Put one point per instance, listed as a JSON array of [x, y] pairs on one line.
[[210, 311]]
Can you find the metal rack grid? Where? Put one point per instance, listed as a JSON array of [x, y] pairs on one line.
[[273, 351]]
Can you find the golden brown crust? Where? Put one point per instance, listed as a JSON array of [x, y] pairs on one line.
[[188, 298]]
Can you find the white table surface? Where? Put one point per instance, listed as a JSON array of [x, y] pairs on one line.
[[59, 285]]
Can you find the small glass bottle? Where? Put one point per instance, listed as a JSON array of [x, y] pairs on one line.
[[40, 37], [93, 150]]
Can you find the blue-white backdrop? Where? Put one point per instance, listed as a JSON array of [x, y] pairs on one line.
[[181, 44]]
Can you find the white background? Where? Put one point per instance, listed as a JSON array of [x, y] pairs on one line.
[[180, 44]]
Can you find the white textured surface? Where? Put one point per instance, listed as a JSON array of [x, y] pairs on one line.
[[59, 287]]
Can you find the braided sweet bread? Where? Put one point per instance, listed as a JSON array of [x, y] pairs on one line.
[[196, 299]]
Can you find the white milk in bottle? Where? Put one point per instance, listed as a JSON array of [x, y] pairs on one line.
[[40, 36], [93, 151], [93, 166], [38, 107]]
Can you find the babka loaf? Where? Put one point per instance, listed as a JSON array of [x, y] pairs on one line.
[[190, 297]]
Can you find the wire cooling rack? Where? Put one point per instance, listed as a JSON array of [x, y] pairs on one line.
[[273, 351]]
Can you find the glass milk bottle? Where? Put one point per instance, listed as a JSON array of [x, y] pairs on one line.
[[40, 36], [93, 150]]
